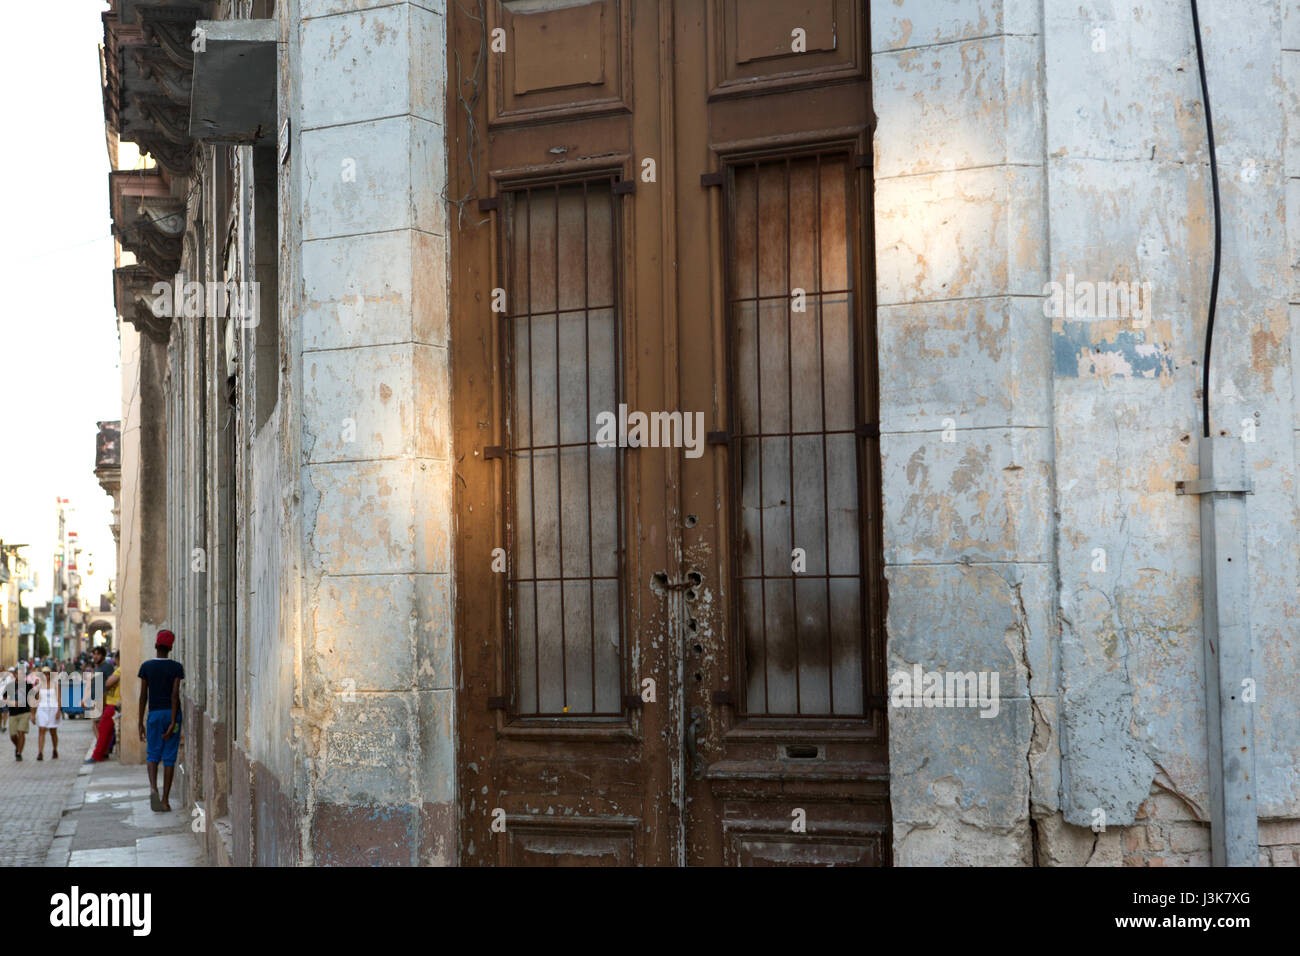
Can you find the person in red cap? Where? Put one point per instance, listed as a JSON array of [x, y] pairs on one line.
[[160, 698]]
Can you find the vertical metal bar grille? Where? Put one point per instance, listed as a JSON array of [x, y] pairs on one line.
[[563, 497], [796, 469]]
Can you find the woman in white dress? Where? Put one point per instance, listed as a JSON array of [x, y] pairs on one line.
[[47, 714]]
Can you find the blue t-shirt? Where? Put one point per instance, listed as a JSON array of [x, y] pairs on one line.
[[160, 672]]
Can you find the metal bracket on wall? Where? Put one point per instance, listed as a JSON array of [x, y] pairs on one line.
[[1214, 486]]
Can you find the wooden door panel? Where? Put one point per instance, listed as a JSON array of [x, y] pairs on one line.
[[562, 58], [667, 293], [777, 847], [753, 46], [593, 841], [558, 537], [786, 674]]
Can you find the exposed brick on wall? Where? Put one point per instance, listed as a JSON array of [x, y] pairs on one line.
[[1163, 836]]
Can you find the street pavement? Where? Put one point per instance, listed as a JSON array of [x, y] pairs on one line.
[[66, 813], [33, 792]]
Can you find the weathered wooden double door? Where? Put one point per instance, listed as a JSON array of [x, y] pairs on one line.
[[669, 594]]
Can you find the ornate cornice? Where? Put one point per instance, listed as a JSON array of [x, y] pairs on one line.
[[132, 295], [172, 80], [172, 121], [155, 328], [178, 160], [147, 220], [171, 29], [152, 246], [147, 73], [147, 69]]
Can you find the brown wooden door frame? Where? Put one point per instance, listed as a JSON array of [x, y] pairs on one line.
[[673, 88], [746, 782], [569, 786]]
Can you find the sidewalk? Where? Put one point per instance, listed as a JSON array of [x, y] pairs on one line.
[[32, 792], [106, 820]]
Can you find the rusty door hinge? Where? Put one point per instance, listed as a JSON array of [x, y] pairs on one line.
[[623, 187], [717, 438], [868, 430], [877, 702], [713, 179], [493, 451], [633, 701], [489, 203], [496, 703], [862, 161], [723, 698]]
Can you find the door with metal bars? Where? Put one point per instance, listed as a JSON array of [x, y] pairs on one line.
[[670, 654], [568, 732]]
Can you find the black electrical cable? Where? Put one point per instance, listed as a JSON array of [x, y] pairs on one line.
[[1214, 185]]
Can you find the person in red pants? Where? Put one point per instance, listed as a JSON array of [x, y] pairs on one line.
[[112, 701]]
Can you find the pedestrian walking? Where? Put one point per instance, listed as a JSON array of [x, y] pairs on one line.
[[6, 680], [160, 698], [19, 710], [48, 713], [104, 668], [104, 726]]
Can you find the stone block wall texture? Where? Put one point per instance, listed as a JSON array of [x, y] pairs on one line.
[[142, 566], [367, 256], [337, 746], [1019, 143], [966, 437]]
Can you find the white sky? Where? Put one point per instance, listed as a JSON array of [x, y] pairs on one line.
[[59, 362]]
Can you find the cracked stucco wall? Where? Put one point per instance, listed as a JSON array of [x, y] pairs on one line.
[[1022, 142], [374, 780], [966, 437], [1130, 200]]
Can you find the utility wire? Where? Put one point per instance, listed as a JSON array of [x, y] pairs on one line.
[[1218, 238]]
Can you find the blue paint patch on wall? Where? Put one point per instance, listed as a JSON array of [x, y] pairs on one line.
[[1065, 354], [1140, 358]]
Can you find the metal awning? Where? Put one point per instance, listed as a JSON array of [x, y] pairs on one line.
[[233, 95]]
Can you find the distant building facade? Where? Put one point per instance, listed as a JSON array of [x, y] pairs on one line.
[[14, 581]]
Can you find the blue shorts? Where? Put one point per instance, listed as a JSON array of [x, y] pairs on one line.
[[156, 749]]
